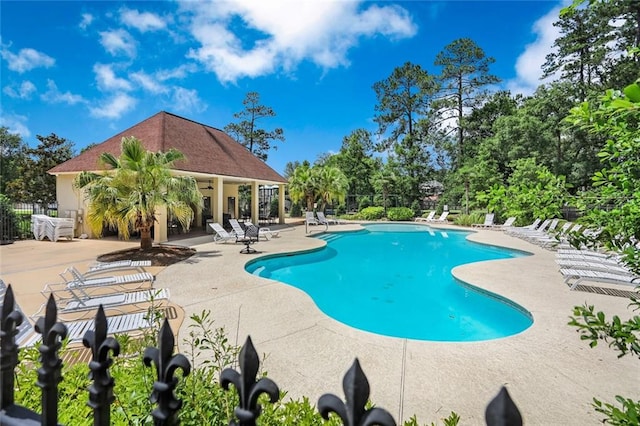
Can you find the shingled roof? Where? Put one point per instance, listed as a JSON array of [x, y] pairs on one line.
[[207, 150]]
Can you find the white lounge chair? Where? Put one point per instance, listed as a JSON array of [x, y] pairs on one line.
[[488, 221], [73, 279], [442, 218], [515, 229], [25, 329], [239, 233], [310, 219], [507, 224], [220, 234], [79, 303], [428, 218], [120, 265], [323, 219], [582, 275]]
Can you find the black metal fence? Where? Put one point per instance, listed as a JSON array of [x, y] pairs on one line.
[[18, 227], [501, 411]]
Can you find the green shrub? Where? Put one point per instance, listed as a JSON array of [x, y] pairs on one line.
[[296, 210], [468, 219], [416, 208], [400, 213], [274, 208], [364, 202], [371, 213]]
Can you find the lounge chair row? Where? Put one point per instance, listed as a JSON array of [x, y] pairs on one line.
[[319, 218], [580, 266], [121, 293]]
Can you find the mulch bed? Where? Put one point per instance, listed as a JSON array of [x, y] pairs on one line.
[[159, 255]]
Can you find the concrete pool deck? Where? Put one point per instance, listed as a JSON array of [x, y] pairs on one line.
[[550, 373]]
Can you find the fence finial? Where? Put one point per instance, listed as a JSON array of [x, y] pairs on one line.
[[353, 412], [247, 387], [101, 390], [502, 411], [49, 374], [10, 321], [166, 413]]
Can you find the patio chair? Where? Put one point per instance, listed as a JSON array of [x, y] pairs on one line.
[[581, 275], [82, 282], [488, 221], [25, 329], [119, 265], [442, 218], [251, 236], [237, 230], [220, 234], [429, 217], [310, 219], [322, 219], [516, 229], [507, 224], [79, 302]]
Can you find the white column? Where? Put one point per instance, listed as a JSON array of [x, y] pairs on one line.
[[255, 216], [217, 203], [281, 213]]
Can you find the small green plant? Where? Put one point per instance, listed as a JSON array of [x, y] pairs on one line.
[[416, 208], [296, 210], [468, 219], [371, 213], [364, 202], [400, 213]]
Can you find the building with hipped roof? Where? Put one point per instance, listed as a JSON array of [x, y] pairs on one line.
[[219, 164]]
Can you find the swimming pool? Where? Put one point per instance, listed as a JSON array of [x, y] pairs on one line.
[[395, 280]]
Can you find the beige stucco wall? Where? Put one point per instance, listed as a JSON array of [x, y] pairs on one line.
[[70, 203]]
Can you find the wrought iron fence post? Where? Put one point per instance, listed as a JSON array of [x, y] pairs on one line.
[[353, 412], [49, 374], [247, 387], [166, 413], [10, 321], [101, 390]]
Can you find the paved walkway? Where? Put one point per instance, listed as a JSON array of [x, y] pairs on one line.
[[551, 375]]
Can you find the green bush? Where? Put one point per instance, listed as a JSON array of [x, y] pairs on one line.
[[400, 213], [296, 210], [371, 213], [468, 219], [364, 202], [416, 208]]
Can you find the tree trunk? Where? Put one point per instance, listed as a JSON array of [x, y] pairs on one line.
[[146, 243]]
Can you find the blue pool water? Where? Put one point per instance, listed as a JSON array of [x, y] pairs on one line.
[[395, 280]]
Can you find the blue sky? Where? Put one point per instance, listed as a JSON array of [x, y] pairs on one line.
[[86, 70]]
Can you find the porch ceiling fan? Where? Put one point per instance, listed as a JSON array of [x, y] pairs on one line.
[[208, 186]]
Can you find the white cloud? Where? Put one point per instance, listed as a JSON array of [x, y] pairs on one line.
[[143, 22], [24, 91], [180, 72], [54, 96], [247, 38], [147, 82], [114, 107], [15, 123], [26, 59], [87, 19], [107, 80], [529, 63], [185, 100], [118, 42]]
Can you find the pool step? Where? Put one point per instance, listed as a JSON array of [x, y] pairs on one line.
[[329, 237]]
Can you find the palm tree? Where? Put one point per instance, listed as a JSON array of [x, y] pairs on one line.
[[332, 185], [139, 181], [303, 186]]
